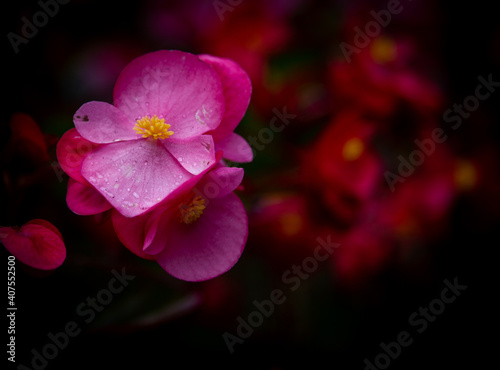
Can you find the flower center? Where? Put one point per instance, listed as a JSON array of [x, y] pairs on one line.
[[153, 127], [353, 148], [465, 175], [383, 50], [192, 211]]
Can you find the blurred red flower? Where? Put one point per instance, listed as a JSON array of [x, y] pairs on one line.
[[342, 168], [380, 80]]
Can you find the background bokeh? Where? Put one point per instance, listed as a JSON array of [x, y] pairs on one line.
[[322, 176]]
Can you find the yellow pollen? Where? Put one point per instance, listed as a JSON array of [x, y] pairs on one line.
[[153, 127], [291, 223], [383, 50], [192, 211], [353, 148], [465, 175]]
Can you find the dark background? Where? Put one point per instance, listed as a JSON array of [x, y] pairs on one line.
[[320, 326]]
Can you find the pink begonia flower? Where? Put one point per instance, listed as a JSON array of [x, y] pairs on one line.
[[156, 136], [197, 237], [37, 243]]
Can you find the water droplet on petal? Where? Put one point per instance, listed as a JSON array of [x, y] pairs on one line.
[[135, 195]]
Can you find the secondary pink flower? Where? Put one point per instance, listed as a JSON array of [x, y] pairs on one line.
[[37, 243], [199, 236], [153, 139]]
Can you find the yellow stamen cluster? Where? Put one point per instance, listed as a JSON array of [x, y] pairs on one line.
[[383, 50], [192, 211], [465, 175], [291, 223], [154, 127], [352, 149]]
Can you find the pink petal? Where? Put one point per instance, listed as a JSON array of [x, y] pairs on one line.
[[35, 245], [155, 221], [237, 89], [71, 149], [195, 155], [235, 148], [46, 224], [173, 85], [85, 200], [220, 182], [104, 123], [185, 189], [208, 247], [133, 176], [130, 232]]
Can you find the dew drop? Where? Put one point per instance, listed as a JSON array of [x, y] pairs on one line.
[[105, 191], [179, 159], [135, 195]]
